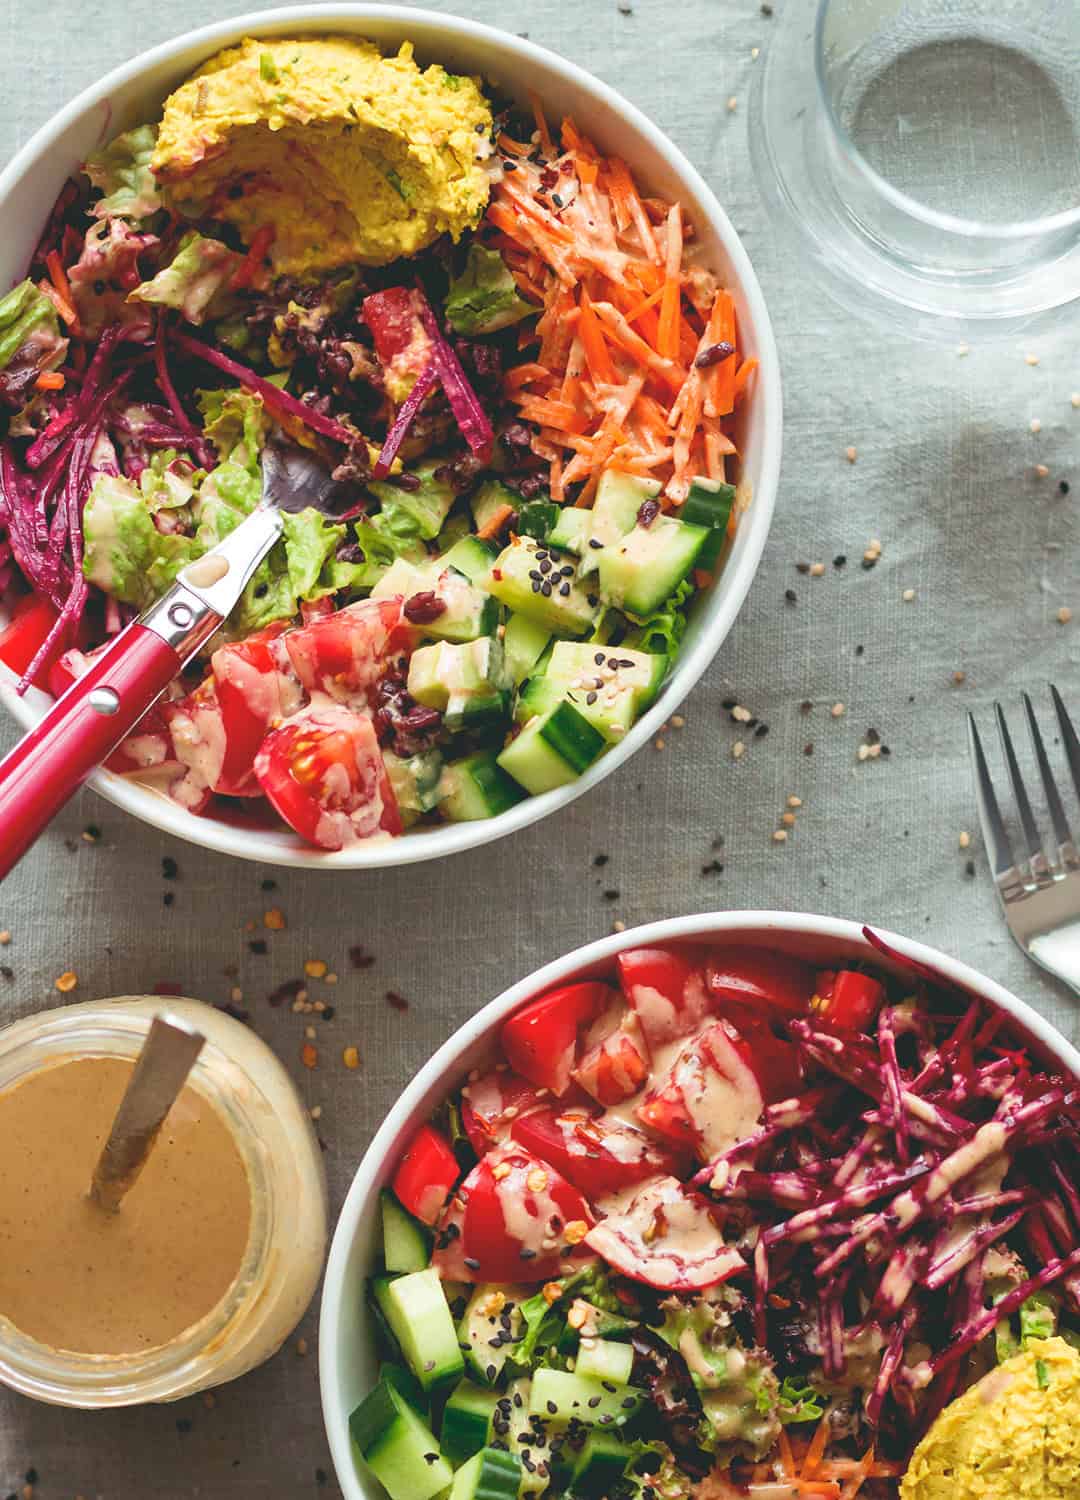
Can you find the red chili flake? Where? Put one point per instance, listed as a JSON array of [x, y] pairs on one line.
[[396, 1001], [360, 958], [287, 991], [168, 987], [421, 609]]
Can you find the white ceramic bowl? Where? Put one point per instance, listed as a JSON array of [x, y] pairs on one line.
[[134, 92], [346, 1339]]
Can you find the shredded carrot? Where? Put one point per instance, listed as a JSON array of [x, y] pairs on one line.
[[668, 332], [527, 374], [855, 1483], [743, 374], [547, 145], [495, 522], [60, 295], [816, 1450], [251, 264], [50, 380], [593, 343], [509, 147]]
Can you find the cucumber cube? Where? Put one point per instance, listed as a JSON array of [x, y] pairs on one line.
[[552, 750], [418, 1313], [560, 1397], [477, 787], [650, 562], [398, 1446]]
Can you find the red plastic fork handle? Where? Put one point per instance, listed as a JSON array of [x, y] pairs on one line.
[[49, 765]]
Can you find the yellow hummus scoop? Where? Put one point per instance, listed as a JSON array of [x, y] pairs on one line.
[[346, 155], [1015, 1435]]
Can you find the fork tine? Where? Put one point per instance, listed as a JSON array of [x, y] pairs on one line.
[[1033, 849], [1069, 738], [1062, 831], [993, 826]]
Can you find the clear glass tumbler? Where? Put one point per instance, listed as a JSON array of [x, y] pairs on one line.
[[926, 153]]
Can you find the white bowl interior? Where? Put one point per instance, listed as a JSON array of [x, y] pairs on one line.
[[346, 1340], [28, 189]]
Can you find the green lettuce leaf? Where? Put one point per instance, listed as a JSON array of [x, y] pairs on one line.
[[485, 298], [22, 312], [236, 423], [126, 555], [194, 280], [797, 1402], [662, 632], [122, 171]]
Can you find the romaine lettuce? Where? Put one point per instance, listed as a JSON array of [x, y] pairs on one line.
[[122, 171], [485, 298]]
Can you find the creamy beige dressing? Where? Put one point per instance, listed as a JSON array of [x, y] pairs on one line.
[[78, 1278]]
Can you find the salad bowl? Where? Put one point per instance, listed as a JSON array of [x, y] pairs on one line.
[[133, 93], [347, 1340]]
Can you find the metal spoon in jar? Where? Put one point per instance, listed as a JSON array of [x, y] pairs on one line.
[[160, 1072]]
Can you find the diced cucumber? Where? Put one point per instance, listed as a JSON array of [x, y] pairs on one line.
[[599, 1467], [571, 530], [534, 1479], [534, 583], [470, 556], [415, 783], [602, 1359], [406, 1243], [490, 498], [491, 1324], [709, 504], [467, 611], [552, 750], [398, 1446], [524, 643], [559, 1396], [476, 787], [619, 497], [650, 562], [611, 686], [418, 1313], [466, 1421], [407, 1385], [386, 1344], [468, 682], [492, 1475], [536, 518], [429, 505]]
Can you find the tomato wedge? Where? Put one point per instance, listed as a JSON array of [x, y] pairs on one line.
[[615, 1058], [344, 654], [666, 1238], [596, 1155], [758, 977], [709, 1098], [427, 1174], [517, 1210], [666, 989], [540, 1040], [323, 772], [490, 1105], [20, 641], [847, 1000], [252, 693]]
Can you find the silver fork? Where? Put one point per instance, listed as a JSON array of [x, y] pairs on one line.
[[1039, 890]]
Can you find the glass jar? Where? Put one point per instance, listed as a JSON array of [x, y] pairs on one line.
[[249, 1088]]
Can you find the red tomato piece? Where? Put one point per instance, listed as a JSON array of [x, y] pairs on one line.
[[148, 747], [517, 1209], [317, 609], [540, 1040], [252, 692], [847, 1000], [393, 319], [758, 977], [427, 1174], [323, 772], [709, 1098], [21, 640], [491, 1104], [615, 1058], [344, 654], [667, 990], [666, 1238], [594, 1154]]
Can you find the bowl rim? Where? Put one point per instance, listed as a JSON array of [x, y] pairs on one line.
[[159, 811], [440, 1067]]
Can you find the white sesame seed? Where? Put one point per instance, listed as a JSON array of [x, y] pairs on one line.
[[863, 752], [316, 1111], [908, 595], [817, 569], [678, 722], [732, 105], [738, 749], [1041, 471], [1036, 425], [1075, 398], [780, 836], [788, 819], [965, 839], [794, 801], [755, 53], [618, 926], [837, 710], [741, 715], [851, 454], [963, 350], [310, 1033], [1031, 359], [1064, 615]]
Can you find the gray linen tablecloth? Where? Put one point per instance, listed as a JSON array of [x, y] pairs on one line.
[[944, 479]]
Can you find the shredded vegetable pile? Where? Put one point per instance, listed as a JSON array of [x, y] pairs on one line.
[[638, 362], [918, 1194]]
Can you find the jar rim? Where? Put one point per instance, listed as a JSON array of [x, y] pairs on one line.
[[107, 1029]]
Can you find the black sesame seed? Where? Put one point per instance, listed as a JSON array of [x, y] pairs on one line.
[[431, 1458], [608, 1386], [969, 867], [524, 1254], [545, 566], [536, 585], [791, 596], [590, 698], [595, 544], [169, 868], [473, 1265], [168, 898], [840, 560], [535, 573], [552, 1408], [592, 600], [491, 1372], [564, 589], [803, 567], [761, 731], [859, 650], [594, 1401], [545, 589], [1063, 487]]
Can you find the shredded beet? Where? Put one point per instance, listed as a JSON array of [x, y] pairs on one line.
[[464, 402], [425, 382]]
